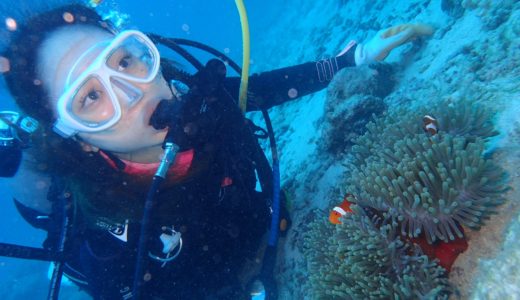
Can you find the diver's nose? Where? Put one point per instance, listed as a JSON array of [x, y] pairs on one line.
[[127, 91]]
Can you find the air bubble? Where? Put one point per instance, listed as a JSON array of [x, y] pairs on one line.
[[40, 185], [68, 17], [293, 93], [10, 23]]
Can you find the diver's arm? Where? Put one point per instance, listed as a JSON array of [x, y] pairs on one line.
[[275, 87]]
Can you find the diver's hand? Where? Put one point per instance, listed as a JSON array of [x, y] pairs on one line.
[[378, 48]]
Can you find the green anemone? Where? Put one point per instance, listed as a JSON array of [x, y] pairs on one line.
[[431, 184], [359, 259], [459, 119]]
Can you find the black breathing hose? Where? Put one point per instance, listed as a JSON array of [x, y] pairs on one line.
[[170, 152], [267, 269]]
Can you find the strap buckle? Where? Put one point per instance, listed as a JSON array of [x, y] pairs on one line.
[[171, 240]]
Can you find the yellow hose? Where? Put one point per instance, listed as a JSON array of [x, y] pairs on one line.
[[244, 78]]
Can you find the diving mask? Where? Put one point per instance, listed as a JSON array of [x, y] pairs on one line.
[[93, 98]]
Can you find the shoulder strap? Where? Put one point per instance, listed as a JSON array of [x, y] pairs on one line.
[[196, 115]]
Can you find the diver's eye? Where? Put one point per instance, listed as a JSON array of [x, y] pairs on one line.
[[90, 98], [124, 63], [93, 95]]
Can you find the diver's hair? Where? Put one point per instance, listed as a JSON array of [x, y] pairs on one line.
[[22, 53], [54, 155], [58, 155], [99, 190]]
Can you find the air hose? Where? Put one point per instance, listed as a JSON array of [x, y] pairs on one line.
[[269, 260], [244, 78]]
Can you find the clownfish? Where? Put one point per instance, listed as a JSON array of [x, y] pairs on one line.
[[341, 210], [430, 124]]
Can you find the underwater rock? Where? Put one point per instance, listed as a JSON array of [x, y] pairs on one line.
[[375, 80], [452, 8], [353, 97], [492, 13], [348, 120]]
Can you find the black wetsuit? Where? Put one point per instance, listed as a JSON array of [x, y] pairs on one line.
[[221, 226]]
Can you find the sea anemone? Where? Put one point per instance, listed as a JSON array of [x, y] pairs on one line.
[[430, 184], [364, 259], [457, 118], [411, 183]]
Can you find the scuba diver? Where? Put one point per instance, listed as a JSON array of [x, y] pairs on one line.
[[107, 105]]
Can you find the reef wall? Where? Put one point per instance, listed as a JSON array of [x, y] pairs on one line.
[[474, 55]]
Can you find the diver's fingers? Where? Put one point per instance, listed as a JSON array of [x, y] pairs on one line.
[[396, 36], [378, 48], [417, 30], [395, 40]]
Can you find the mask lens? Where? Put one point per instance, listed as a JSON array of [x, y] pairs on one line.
[[133, 58], [104, 81], [91, 103]]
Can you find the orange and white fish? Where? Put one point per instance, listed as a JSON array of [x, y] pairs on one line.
[[342, 209], [430, 125]]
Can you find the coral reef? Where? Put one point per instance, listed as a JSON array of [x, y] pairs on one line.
[[500, 278], [493, 13], [452, 7], [431, 184], [411, 183], [474, 54], [362, 259]]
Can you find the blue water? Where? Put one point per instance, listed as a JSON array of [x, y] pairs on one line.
[[474, 54]]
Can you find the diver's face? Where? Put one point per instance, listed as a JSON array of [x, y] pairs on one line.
[[74, 48]]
